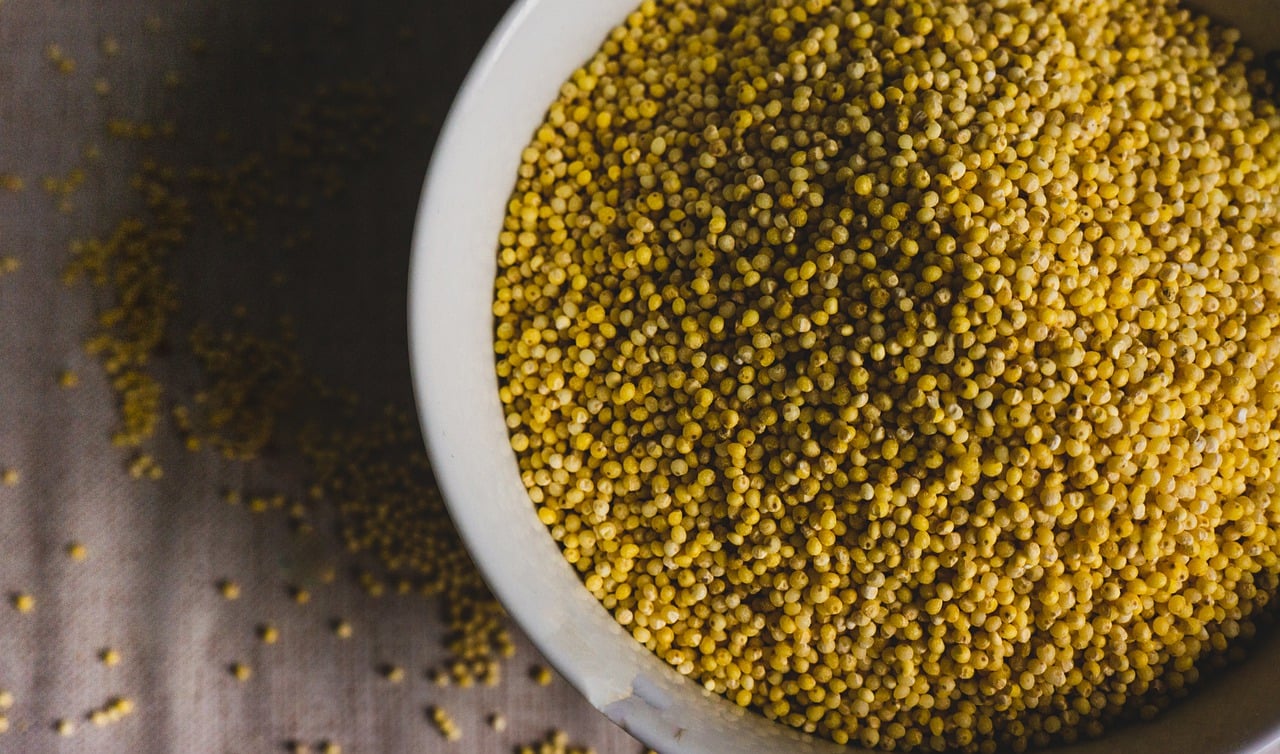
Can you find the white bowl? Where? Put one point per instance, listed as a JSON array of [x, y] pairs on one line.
[[535, 48]]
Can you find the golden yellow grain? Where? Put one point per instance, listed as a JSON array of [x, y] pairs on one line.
[[392, 673], [541, 675], [903, 370], [268, 634], [444, 723], [555, 742]]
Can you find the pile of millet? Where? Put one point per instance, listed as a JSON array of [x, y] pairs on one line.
[[904, 369]]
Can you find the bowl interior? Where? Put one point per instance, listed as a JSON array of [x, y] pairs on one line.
[[532, 52]]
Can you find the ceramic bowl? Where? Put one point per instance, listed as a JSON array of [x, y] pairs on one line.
[[535, 48]]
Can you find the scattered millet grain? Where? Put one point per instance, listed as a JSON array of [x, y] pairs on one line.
[[23, 602], [64, 727], [12, 183], [241, 671], [4, 723], [77, 551], [905, 370], [9, 265], [461, 676], [145, 466], [113, 711], [300, 595], [68, 379], [392, 673], [555, 742], [330, 747], [6, 700], [229, 589], [109, 657], [341, 629], [10, 477], [541, 675], [268, 634], [444, 723], [497, 721]]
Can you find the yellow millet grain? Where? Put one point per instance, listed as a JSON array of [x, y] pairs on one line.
[[392, 673], [906, 370], [555, 742], [115, 710], [444, 723], [267, 633], [541, 675], [229, 589], [370, 468]]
